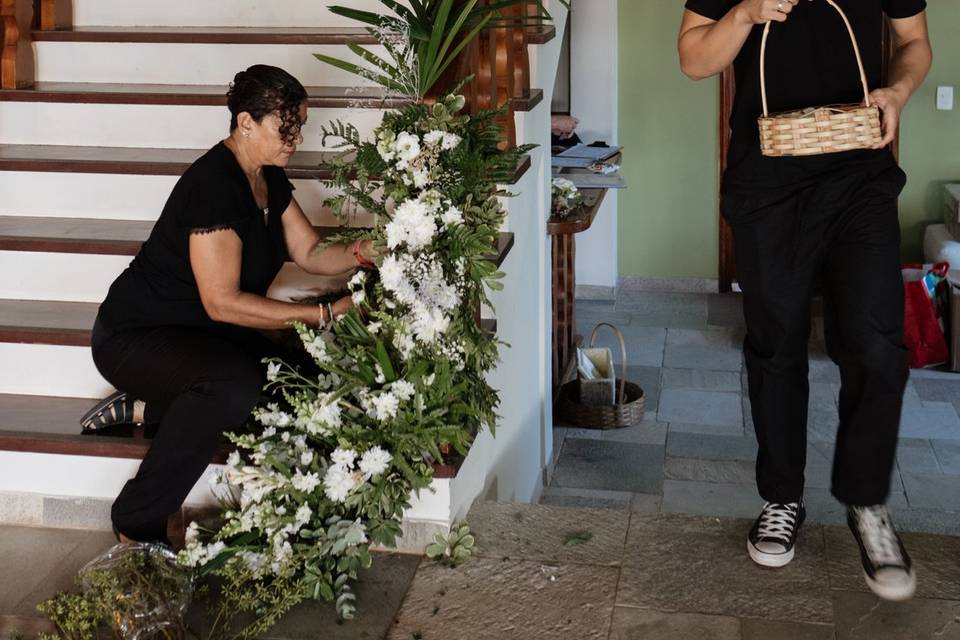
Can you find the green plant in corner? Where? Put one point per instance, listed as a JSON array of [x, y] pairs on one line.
[[423, 40], [455, 548]]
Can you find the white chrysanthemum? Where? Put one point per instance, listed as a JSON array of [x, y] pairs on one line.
[[421, 178], [403, 389], [412, 224], [452, 217], [386, 405], [303, 515], [450, 141], [407, 146], [338, 483], [429, 324], [305, 482], [328, 415], [273, 370], [374, 462], [343, 457], [433, 138], [391, 273]]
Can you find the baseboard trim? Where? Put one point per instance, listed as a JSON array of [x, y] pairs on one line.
[[595, 292], [670, 285]]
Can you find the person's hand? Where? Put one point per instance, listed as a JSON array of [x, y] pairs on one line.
[[891, 103], [369, 251], [763, 11], [342, 306]]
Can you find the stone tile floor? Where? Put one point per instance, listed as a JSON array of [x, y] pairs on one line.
[[694, 452], [632, 576]]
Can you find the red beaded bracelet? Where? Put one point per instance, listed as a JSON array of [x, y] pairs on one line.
[[358, 256]]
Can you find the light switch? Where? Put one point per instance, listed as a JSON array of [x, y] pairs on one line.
[[945, 98]]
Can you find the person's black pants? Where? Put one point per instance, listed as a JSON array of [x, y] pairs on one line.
[[197, 384], [845, 228]]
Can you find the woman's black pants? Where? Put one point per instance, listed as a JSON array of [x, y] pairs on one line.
[[846, 229], [197, 384]]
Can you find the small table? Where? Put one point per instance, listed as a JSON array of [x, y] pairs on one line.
[[563, 235]]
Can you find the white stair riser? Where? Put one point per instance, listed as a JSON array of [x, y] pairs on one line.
[[185, 63], [148, 126], [50, 370], [226, 13], [113, 197], [58, 276]]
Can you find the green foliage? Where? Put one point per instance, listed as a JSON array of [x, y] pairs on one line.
[[453, 549]]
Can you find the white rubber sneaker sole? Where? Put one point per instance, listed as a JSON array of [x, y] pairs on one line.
[[774, 560], [893, 592]]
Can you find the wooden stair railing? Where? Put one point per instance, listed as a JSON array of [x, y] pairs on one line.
[[18, 19]]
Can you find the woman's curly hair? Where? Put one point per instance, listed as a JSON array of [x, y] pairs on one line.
[[262, 90]]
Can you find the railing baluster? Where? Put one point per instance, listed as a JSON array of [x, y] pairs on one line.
[[47, 15], [16, 56]]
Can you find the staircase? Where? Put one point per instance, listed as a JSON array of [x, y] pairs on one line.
[[122, 97]]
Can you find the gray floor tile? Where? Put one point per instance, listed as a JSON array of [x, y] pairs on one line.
[[701, 379], [768, 630], [493, 599], [645, 502], [936, 373], [711, 499], [731, 430], [693, 406], [824, 371], [948, 455], [916, 456], [933, 491], [938, 389], [649, 380], [616, 466], [715, 349], [725, 310], [862, 616], [944, 523], [586, 498], [700, 565], [675, 310], [538, 532], [630, 623], [647, 432], [932, 420], [936, 560], [823, 508], [721, 471], [705, 447]]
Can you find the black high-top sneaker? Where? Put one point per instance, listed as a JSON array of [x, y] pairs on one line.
[[886, 564], [774, 534]]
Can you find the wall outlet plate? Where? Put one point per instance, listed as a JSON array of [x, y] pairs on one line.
[[945, 98]]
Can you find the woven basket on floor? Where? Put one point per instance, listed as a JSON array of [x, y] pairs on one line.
[[627, 411], [819, 130]]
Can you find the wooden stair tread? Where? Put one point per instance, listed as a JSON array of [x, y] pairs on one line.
[[210, 95], [149, 161], [113, 237], [237, 35]]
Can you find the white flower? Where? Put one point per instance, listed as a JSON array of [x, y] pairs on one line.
[[338, 483], [391, 273], [429, 380], [421, 177], [381, 376], [452, 217], [233, 460], [403, 389], [316, 346], [192, 535], [374, 327], [433, 138], [343, 457], [386, 405], [306, 458], [303, 515], [407, 146], [385, 142], [327, 416], [359, 297], [450, 141], [306, 483], [358, 279], [412, 224], [273, 369], [374, 462]]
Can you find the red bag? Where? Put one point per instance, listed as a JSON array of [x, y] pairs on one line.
[[923, 330]]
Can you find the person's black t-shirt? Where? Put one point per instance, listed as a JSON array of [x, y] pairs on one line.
[[158, 288], [810, 62]]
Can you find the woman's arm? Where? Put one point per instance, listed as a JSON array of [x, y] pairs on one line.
[[302, 240], [909, 68], [215, 258], [707, 46]]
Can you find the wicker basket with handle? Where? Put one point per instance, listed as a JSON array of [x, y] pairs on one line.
[[819, 130], [627, 411]]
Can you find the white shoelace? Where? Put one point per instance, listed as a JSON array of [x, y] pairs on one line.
[[878, 535], [777, 521]]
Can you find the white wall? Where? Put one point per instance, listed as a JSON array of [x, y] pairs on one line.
[[593, 81]]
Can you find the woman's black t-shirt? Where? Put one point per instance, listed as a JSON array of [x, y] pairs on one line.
[[158, 288], [810, 62]]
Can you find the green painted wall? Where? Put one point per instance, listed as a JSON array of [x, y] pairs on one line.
[[667, 216]]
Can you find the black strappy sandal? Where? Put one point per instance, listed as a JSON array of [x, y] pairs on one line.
[[116, 409]]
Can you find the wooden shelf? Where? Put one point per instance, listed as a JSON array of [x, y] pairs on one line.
[[581, 220]]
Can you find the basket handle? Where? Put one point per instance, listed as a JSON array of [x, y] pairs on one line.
[[856, 51], [623, 355]]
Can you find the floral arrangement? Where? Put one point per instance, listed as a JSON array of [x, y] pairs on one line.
[[400, 382], [566, 198]]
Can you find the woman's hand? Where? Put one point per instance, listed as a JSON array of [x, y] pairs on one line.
[[342, 306], [368, 251], [763, 11]]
